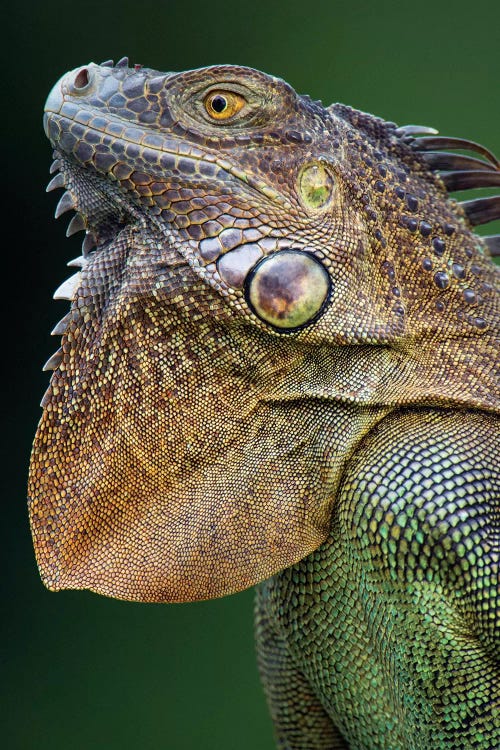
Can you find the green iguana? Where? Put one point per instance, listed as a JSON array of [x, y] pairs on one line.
[[279, 363]]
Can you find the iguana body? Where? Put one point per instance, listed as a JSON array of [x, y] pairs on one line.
[[281, 357]]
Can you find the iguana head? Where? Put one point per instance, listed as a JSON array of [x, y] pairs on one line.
[[255, 265]]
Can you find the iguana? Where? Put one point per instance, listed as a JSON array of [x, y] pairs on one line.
[[279, 369]]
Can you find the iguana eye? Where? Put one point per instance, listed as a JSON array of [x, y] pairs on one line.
[[288, 289], [221, 105]]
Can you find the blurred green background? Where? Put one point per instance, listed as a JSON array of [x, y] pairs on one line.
[[80, 671]]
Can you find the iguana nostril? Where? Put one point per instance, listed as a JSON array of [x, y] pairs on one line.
[[82, 79]]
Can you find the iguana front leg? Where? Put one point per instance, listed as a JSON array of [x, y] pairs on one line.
[[300, 719], [392, 623]]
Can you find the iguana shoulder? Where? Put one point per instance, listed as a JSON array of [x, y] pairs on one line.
[[390, 631]]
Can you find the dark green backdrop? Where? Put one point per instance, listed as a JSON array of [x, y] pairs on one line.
[[80, 671]]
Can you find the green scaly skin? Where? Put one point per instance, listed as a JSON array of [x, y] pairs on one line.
[[279, 368], [389, 632]]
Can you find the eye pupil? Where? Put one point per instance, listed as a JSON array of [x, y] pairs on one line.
[[219, 103]]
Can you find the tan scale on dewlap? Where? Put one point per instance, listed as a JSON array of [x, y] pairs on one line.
[[279, 368]]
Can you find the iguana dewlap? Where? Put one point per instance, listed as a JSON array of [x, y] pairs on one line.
[[280, 362]]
